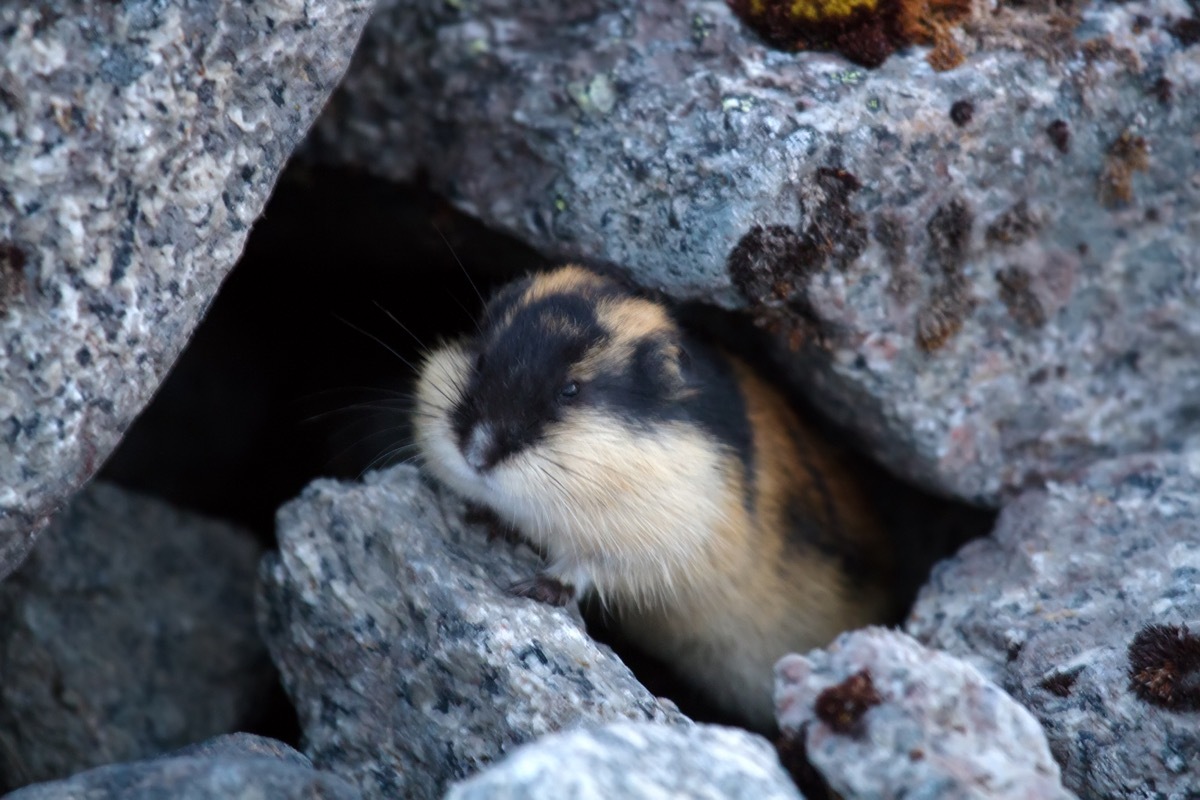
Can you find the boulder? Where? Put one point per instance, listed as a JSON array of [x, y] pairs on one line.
[[638, 761], [988, 271], [875, 714], [138, 142], [1079, 604], [234, 767], [128, 632]]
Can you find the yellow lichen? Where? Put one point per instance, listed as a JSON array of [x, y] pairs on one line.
[[827, 10]]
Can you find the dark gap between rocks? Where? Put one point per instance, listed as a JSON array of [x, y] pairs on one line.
[[275, 389]]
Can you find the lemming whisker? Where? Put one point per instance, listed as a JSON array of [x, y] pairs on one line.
[[369, 405], [466, 274], [421, 345]]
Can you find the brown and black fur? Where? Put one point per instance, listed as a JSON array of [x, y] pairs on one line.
[[659, 473]]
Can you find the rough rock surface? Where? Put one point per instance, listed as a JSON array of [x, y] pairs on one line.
[[237, 767], [988, 296], [1050, 605], [878, 715], [138, 142], [639, 761], [408, 663], [246, 745], [129, 631]]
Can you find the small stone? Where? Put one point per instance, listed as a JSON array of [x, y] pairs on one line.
[[636, 761], [236, 767], [910, 722]]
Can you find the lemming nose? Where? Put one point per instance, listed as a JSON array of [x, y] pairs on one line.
[[478, 446]]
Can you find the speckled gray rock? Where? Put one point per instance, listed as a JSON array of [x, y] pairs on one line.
[[660, 135], [242, 745], [129, 631], [638, 761], [138, 142], [408, 663], [1049, 605], [239, 767], [915, 724]]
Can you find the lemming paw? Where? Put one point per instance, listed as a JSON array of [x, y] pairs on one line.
[[544, 589]]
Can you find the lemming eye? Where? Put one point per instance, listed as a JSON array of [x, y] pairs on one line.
[[479, 362], [569, 389]]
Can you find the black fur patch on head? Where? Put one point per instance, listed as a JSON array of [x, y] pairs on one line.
[[526, 356], [503, 302], [515, 387], [719, 407], [642, 390]]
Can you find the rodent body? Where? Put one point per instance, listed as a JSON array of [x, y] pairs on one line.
[[661, 474]]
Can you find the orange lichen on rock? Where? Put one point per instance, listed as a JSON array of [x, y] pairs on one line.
[[931, 22], [865, 31]]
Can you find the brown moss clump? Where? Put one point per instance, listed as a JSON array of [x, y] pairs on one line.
[[12, 273], [949, 301], [1164, 663], [1059, 132], [941, 319], [1018, 296], [1018, 224], [864, 31], [1164, 90], [1187, 30], [1060, 684], [930, 22], [771, 266], [843, 705], [1128, 154]]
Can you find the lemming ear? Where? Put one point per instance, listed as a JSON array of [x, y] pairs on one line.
[[662, 362]]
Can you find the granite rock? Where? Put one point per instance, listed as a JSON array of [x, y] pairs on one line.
[[1050, 607], [878, 715], [138, 142], [236, 767], [987, 296], [638, 761], [408, 663], [242, 745], [129, 631]]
